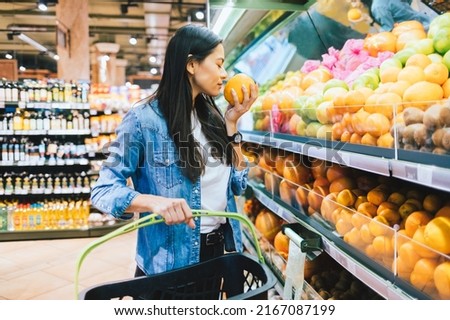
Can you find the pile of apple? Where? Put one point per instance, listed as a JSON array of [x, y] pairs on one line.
[[364, 93]]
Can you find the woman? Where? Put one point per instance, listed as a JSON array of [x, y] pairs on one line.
[[176, 147]]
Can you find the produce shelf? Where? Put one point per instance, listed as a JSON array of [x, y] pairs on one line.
[[374, 275], [418, 167], [367, 158]]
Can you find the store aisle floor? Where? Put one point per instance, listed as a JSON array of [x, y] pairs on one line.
[[45, 269]]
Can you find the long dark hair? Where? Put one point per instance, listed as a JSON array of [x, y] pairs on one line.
[[174, 94]]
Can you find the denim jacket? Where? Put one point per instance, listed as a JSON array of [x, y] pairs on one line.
[[144, 152], [388, 12]]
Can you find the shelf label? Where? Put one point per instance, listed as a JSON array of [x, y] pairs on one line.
[[424, 174], [411, 172]]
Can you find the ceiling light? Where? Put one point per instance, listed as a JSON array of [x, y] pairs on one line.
[[32, 42], [133, 40], [44, 4], [8, 56], [152, 59], [42, 7], [22, 68], [200, 15], [153, 71]]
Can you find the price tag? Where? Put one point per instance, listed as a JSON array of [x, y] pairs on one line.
[[411, 172], [424, 174]]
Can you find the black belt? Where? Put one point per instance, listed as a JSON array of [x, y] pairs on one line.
[[212, 238]]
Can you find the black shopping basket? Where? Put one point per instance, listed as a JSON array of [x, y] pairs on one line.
[[237, 276]]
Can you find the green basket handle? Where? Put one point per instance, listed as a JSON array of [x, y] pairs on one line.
[[154, 219]]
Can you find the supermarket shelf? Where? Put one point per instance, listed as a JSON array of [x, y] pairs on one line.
[[45, 132], [344, 254], [351, 155], [94, 231], [418, 167]]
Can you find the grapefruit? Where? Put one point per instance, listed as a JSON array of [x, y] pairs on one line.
[[236, 83]]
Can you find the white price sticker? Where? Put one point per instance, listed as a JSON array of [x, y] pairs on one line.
[[424, 174]]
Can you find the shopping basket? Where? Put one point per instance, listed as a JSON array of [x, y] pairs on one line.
[[237, 276]]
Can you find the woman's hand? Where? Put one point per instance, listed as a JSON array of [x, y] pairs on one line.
[[173, 210], [234, 112]]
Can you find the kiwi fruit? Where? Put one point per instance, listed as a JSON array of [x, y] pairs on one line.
[[412, 115]]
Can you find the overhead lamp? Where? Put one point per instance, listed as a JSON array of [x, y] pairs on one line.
[[44, 4], [8, 56], [153, 71], [152, 59], [32, 42], [22, 68], [133, 40], [199, 15]]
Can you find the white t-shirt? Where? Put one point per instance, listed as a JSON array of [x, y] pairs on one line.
[[214, 182]]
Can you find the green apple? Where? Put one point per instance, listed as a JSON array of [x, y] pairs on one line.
[[375, 71], [424, 46], [334, 92], [435, 57], [312, 128], [441, 40], [442, 21], [333, 83], [404, 54], [446, 59], [311, 105], [325, 132], [391, 62], [321, 112], [300, 128], [368, 80], [299, 104]]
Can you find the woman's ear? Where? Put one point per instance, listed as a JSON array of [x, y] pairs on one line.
[[190, 66]]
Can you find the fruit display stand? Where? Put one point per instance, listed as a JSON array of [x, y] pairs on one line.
[[371, 246]]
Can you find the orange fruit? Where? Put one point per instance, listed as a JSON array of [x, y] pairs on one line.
[[369, 139], [354, 14], [422, 276], [403, 270], [446, 88], [281, 243], [415, 220], [342, 226], [436, 72], [443, 212], [379, 226], [437, 234], [387, 101], [378, 124], [442, 279], [419, 60], [383, 246], [399, 87], [389, 74], [408, 254], [269, 100], [236, 82], [412, 74], [432, 203], [315, 76], [365, 233], [420, 246]]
